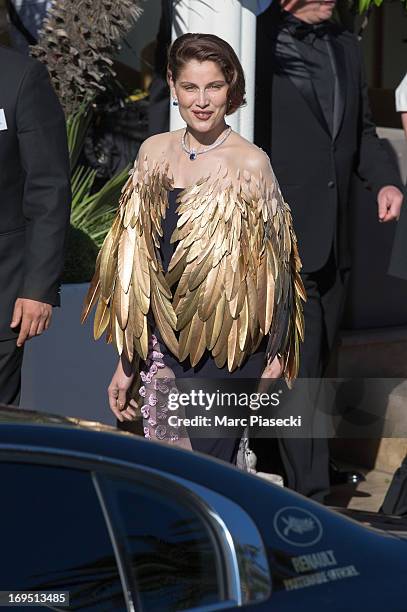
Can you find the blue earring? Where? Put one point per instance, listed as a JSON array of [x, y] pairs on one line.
[[175, 102]]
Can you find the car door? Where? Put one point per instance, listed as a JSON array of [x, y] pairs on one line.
[[122, 537], [54, 537], [185, 546]]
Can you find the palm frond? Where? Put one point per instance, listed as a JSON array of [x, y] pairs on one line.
[[77, 126], [93, 212], [77, 43]]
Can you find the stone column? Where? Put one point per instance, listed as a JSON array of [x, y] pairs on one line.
[[235, 21]]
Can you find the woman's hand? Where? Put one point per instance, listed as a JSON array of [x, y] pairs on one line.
[[273, 369], [118, 388]]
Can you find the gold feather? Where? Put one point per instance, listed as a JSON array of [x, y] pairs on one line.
[[144, 269], [144, 340], [118, 336], [221, 357], [108, 336], [121, 303], [178, 254], [165, 329], [244, 325], [101, 319], [199, 273], [194, 250], [236, 304], [232, 346], [212, 292], [91, 296], [224, 331], [126, 261], [232, 280], [108, 264], [262, 292], [269, 303], [175, 274], [141, 301], [161, 282], [251, 302], [151, 249], [217, 323], [135, 319], [187, 307], [199, 345], [165, 305], [128, 345], [183, 341]]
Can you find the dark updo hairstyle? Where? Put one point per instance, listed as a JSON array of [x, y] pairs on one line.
[[210, 48]]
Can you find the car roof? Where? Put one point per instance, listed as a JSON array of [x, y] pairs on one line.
[[25, 428], [13, 414]]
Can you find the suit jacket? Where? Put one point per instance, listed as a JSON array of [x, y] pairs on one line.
[[398, 260], [34, 185], [314, 164]]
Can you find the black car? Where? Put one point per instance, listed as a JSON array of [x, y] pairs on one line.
[[121, 523]]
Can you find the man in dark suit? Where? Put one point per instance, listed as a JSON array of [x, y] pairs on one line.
[[35, 206], [395, 501], [313, 118]]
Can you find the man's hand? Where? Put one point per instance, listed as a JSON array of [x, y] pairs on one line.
[[32, 316], [117, 391], [389, 200]]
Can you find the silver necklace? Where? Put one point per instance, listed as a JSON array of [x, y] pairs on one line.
[[193, 153]]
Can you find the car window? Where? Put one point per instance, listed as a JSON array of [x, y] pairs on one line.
[[53, 537], [174, 554]]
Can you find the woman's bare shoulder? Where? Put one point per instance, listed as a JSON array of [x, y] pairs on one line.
[[155, 145], [160, 145], [247, 156]]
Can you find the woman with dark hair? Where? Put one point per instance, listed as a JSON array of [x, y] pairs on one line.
[[198, 276]]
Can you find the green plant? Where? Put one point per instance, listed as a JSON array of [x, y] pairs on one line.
[[364, 5], [77, 126], [93, 212], [354, 14]]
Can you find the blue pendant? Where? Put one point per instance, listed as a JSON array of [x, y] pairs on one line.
[[192, 155]]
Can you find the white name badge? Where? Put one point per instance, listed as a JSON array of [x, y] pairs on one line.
[[3, 122]]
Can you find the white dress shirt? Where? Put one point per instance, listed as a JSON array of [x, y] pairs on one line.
[[401, 96]]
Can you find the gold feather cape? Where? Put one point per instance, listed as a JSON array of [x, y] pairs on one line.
[[235, 270]]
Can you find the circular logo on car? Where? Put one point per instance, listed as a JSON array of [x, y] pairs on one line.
[[297, 526]]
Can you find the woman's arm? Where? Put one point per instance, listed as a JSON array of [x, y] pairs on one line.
[[282, 270], [118, 389]]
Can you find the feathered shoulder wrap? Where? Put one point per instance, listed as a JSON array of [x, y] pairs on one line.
[[235, 269]]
